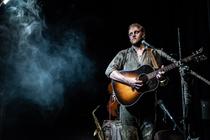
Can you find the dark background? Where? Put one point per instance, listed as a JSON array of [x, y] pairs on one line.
[[105, 26]]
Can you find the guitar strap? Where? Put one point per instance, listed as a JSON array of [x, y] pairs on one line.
[[154, 62]]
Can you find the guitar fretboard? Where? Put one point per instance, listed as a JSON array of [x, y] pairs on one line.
[[165, 69], [171, 66]]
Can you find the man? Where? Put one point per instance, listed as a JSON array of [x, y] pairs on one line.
[[131, 59]]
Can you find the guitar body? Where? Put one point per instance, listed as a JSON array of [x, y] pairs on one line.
[[127, 95]]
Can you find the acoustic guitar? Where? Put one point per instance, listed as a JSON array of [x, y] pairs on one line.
[[128, 96]]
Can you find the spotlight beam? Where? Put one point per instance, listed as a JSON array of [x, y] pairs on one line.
[[4, 2]]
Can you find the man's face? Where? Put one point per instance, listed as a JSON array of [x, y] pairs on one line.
[[135, 35]]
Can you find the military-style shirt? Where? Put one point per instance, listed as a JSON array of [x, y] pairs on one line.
[[128, 60]]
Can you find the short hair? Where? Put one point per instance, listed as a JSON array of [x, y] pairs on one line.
[[138, 26]]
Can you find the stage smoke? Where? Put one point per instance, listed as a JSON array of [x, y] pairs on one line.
[[34, 67]]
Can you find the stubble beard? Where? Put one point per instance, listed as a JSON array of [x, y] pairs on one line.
[[137, 43]]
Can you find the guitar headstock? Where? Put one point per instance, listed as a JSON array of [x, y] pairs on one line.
[[198, 56], [198, 51]]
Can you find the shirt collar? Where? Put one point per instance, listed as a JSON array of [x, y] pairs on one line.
[[132, 48]]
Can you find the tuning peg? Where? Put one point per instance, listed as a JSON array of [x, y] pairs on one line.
[[201, 49], [200, 58], [203, 57]]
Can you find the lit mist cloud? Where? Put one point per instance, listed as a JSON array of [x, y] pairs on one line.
[[38, 69]]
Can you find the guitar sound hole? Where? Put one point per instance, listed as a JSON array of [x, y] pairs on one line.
[[147, 84], [143, 78]]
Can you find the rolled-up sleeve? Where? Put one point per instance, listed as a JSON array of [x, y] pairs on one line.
[[116, 63]]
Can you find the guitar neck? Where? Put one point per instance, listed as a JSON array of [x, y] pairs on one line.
[[165, 69], [171, 66]]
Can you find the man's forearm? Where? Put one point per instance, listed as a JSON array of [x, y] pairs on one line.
[[116, 75]]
